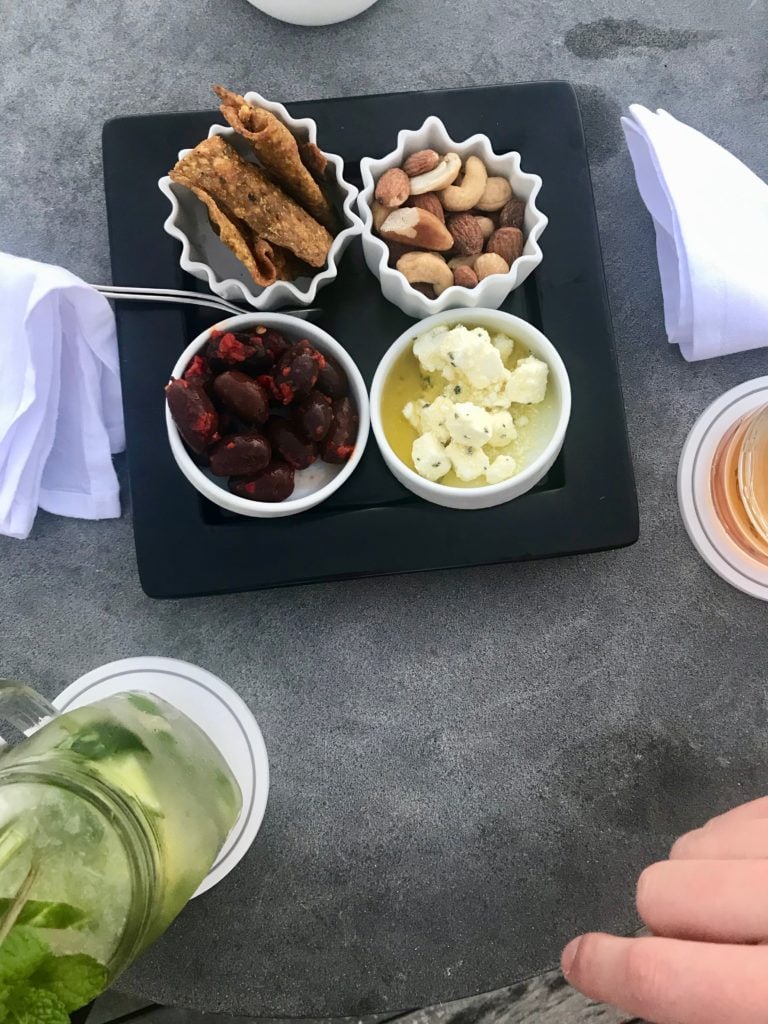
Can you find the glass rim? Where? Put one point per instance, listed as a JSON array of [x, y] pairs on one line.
[[756, 436]]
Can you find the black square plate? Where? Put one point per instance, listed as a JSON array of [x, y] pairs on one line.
[[185, 545]]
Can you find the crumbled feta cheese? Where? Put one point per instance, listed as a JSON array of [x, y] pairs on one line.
[[435, 417], [499, 395], [470, 356], [429, 457], [470, 424], [529, 381], [504, 344], [469, 461], [502, 468], [472, 416], [458, 392], [412, 412], [503, 430], [428, 349]]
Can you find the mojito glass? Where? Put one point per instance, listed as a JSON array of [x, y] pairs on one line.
[[110, 817]]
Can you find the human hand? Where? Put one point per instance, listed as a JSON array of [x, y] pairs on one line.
[[707, 906]]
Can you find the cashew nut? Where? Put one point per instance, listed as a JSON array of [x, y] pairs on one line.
[[426, 268], [446, 172], [472, 187], [462, 261], [486, 225], [497, 193], [490, 263]]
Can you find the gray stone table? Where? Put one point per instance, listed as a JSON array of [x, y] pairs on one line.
[[467, 767]]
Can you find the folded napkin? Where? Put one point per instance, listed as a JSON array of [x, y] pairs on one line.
[[61, 413], [711, 218]]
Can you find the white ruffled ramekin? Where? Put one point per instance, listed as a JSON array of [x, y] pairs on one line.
[[489, 293], [206, 258]]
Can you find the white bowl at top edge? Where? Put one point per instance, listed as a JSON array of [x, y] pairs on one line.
[[310, 12], [208, 259], [487, 495], [320, 480], [490, 293]]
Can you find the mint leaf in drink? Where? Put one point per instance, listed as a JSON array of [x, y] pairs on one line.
[[20, 955], [35, 1006], [105, 739], [75, 980], [143, 703], [42, 914]]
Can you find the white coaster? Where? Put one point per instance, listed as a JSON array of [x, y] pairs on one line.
[[217, 710], [694, 493]]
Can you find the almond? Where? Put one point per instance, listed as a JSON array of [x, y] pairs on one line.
[[417, 228], [465, 277], [490, 263], [497, 193], [507, 243], [512, 214], [430, 202], [421, 162], [467, 234], [393, 188]]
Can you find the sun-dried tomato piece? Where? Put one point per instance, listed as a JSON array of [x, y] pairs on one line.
[[198, 371]]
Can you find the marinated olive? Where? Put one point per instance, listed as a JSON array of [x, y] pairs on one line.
[[275, 483], [275, 345], [295, 375], [225, 348], [313, 416], [198, 371], [331, 381], [339, 442], [193, 413], [240, 455], [259, 362], [286, 442], [305, 347], [242, 395]]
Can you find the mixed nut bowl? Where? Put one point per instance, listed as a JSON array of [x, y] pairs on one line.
[[448, 224]]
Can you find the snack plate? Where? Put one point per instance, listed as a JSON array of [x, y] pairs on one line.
[[187, 546]]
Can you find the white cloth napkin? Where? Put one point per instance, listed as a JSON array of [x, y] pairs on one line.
[[61, 412], [711, 218]]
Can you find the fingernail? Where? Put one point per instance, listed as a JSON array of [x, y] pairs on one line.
[[569, 955]]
